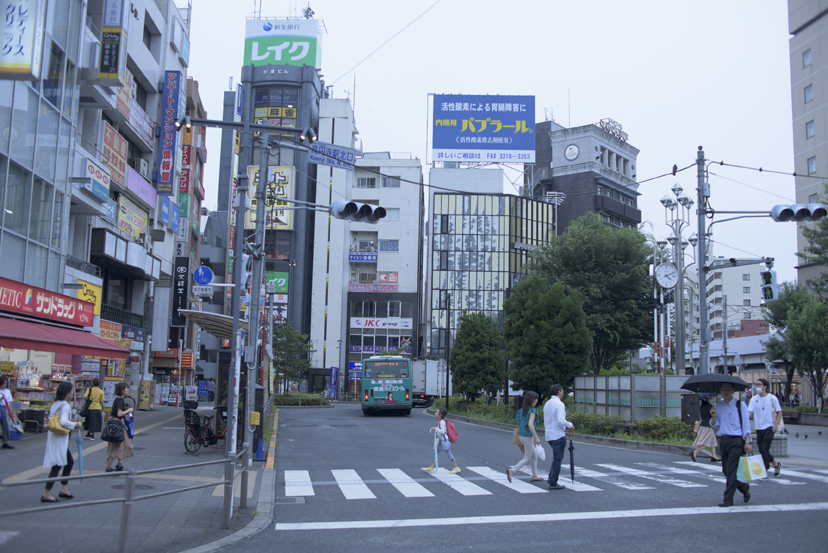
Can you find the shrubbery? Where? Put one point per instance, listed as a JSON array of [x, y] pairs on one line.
[[293, 399], [806, 409]]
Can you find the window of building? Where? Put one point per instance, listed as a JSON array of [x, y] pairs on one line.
[[367, 246], [746, 289], [390, 182], [367, 278], [810, 129], [806, 58], [746, 277], [746, 315], [392, 214], [745, 302], [443, 261], [813, 198], [140, 95], [444, 224], [366, 182], [147, 38], [812, 165], [809, 93], [394, 308]]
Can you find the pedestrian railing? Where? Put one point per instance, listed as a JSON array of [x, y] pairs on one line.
[[129, 497]]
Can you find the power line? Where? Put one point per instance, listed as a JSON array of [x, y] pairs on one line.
[[753, 187], [763, 170]]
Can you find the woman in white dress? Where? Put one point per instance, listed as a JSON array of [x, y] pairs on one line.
[[57, 445]]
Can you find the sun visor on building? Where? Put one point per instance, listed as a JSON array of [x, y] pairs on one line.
[[43, 337]]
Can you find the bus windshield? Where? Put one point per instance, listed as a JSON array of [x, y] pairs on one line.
[[386, 369]]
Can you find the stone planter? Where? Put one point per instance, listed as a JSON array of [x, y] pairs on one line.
[[812, 419]]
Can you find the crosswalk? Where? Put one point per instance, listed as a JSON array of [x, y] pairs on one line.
[[485, 481]]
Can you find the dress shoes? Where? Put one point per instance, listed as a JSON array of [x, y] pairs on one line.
[[726, 504], [557, 487], [8, 446], [746, 496]]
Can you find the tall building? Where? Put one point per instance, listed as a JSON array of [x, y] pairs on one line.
[[587, 169], [808, 25], [735, 295]]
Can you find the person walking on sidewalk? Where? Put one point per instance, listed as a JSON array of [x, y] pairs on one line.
[[119, 450], [731, 418], [94, 422], [443, 443], [57, 445], [706, 438], [766, 412], [554, 419], [5, 410], [527, 420], [211, 390]]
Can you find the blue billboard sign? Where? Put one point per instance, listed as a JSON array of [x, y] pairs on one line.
[[168, 141], [362, 258], [472, 128], [165, 210], [174, 217]]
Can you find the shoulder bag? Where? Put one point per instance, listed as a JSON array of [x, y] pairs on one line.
[[113, 431], [54, 425], [84, 412]]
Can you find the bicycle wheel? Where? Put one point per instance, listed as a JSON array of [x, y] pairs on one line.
[[191, 443]]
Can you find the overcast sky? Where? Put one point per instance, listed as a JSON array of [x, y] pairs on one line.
[[676, 75]]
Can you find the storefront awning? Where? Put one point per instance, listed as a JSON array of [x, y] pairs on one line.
[[220, 326], [41, 337]]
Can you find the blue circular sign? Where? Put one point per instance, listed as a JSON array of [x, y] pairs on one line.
[[203, 276]]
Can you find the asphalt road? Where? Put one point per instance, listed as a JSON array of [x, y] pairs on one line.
[[364, 490]]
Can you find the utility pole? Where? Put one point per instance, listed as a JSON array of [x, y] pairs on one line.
[[704, 324], [724, 333], [448, 346]]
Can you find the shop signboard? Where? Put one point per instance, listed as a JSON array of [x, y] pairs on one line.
[[131, 218], [181, 290], [123, 95], [37, 302], [183, 229], [141, 122], [183, 203], [174, 216], [136, 335], [22, 29], [168, 143], [100, 180], [389, 245], [278, 279], [282, 42], [482, 128], [90, 293], [400, 324], [372, 287], [280, 183], [184, 181], [115, 153], [112, 67], [388, 278], [361, 257], [111, 332], [165, 210], [141, 188]]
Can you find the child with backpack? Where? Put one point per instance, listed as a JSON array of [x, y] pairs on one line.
[[446, 435]]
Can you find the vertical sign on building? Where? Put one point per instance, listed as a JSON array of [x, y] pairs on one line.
[[112, 67], [181, 290], [169, 134], [115, 151], [186, 162], [21, 32]]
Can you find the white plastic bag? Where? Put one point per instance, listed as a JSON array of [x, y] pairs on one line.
[[540, 453]]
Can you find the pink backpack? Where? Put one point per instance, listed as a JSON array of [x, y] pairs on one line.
[[451, 431]]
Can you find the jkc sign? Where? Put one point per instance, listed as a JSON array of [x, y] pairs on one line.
[[401, 324], [37, 302]]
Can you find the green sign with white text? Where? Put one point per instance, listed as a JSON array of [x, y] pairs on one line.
[[282, 42], [279, 279]]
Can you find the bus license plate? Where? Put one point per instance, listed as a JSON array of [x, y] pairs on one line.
[[379, 401]]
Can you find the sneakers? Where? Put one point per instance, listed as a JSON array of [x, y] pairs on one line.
[[90, 438], [430, 470], [455, 470], [777, 469]]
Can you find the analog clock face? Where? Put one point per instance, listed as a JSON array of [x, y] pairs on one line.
[[667, 275], [571, 152]]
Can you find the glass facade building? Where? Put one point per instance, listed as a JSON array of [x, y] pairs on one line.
[[479, 245]]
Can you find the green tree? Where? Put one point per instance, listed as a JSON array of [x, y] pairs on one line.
[[817, 249], [807, 340], [292, 353], [609, 268], [792, 298], [546, 335], [477, 356]]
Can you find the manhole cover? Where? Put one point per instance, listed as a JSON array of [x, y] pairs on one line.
[[137, 487]]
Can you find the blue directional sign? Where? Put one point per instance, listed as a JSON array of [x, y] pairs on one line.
[[331, 155], [203, 275]]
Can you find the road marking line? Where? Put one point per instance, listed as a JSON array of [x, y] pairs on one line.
[[550, 517], [352, 485], [459, 484], [518, 485], [615, 481], [823, 479], [718, 469], [700, 474], [652, 476], [298, 483], [571, 484], [404, 483]]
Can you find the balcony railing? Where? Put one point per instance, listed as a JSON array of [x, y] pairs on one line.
[[83, 266], [121, 316]]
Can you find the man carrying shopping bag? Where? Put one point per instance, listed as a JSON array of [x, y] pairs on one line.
[[730, 417]]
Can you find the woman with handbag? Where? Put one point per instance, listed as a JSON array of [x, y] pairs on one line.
[[705, 436], [5, 411], [527, 420], [57, 443], [94, 409], [121, 449]]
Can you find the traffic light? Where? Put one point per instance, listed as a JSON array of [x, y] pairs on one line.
[[357, 212], [769, 289], [798, 212]]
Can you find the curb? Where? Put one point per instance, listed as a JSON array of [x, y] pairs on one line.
[[304, 406], [264, 504]]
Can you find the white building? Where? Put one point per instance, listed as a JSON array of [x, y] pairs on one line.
[[733, 294]]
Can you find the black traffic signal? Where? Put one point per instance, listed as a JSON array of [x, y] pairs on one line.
[[798, 212], [770, 292], [357, 212]]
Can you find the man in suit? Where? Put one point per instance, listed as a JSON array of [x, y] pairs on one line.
[[731, 418]]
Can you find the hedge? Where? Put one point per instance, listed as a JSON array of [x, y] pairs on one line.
[[293, 399]]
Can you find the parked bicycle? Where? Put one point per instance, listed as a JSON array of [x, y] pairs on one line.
[[199, 429]]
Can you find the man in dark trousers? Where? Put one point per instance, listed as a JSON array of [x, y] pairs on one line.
[[554, 420], [731, 418]]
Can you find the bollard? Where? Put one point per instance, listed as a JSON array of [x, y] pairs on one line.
[[260, 451], [126, 510], [227, 507], [245, 464]]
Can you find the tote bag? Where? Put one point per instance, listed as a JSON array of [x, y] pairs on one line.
[[751, 467]]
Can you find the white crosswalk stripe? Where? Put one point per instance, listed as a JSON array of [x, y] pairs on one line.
[[653, 476], [566, 481], [516, 484], [610, 479], [718, 469], [404, 483], [298, 483], [459, 484], [352, 485], [675, 470]]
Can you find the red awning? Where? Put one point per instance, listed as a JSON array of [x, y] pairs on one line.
[[40, 337]]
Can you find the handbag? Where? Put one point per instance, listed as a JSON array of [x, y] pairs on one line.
[[540, 453], [84, 412], [54, 425], [696, 427], [515, 438], [751, 467], [113, 431]]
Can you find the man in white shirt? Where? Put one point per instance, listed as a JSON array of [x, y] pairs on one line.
[[766, 412], [554, 420]]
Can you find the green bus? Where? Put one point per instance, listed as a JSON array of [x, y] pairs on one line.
[[386, 384]]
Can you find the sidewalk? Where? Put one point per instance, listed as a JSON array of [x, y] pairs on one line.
[[807, 452], [172, 523]]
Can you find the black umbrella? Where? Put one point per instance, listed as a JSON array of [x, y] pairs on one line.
[[571, 457], [711, 383]]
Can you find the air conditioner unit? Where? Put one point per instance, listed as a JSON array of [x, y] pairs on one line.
[[143, 168]]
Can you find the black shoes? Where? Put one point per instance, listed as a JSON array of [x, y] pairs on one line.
[[693, 456], [715, 460], [119, 467], [726, 504], [777, 469], [557, 487], [746, 496], [66, 495], [7, 446], [47, 500]]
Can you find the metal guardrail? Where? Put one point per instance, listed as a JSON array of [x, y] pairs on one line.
[[129, 491]]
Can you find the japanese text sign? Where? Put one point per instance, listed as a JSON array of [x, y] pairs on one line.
[[174, 217], [279, 188], [37, 302], [483, 128], [169, 134], [282, 42], [372, 287], [100, 179], [165, 210], [280, 279], [115, 152], [21, 36], [338, 157], [181, 290], [131, 218]]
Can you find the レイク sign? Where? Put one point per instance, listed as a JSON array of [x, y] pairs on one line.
[[282, 42], [37, 302]]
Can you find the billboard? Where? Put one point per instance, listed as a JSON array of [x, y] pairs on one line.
[[37, 302], [169, 134], [181, 290], [467, 128], [23, 31], [131, 218], [115, 152], [282, 42], [280, 185]]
